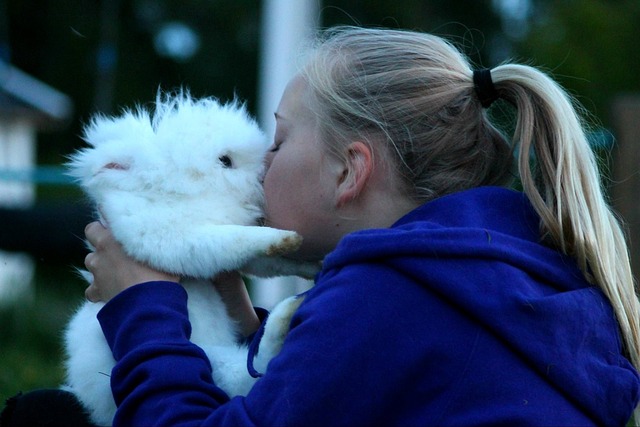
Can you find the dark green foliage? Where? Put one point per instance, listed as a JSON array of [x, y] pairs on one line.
[[31, 331]]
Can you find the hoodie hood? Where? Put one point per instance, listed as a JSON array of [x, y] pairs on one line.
[[480, 251]]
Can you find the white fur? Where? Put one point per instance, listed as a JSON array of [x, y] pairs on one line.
[[164, 186], [275, 331]]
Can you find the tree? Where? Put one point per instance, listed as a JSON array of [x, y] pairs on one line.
[[471, 24], [102, 54], [590, 46]]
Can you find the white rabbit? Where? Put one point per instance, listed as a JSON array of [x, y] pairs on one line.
[[180, 190]]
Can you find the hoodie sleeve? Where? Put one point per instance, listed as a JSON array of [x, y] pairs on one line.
[[160, 378], [337, 366]]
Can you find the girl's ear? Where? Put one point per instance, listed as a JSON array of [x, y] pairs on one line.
[[358, 168]]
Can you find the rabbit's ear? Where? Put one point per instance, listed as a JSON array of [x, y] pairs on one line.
[[90, 162], [131, 126], [115, 164]]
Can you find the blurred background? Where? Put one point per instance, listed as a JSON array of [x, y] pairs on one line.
[[62, 61]]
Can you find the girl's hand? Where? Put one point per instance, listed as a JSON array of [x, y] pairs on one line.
[[235, 296], [113, 270]]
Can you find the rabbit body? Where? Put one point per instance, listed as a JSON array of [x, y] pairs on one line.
[[181, 191]]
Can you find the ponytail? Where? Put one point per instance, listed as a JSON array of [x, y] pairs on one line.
[[564, 187]]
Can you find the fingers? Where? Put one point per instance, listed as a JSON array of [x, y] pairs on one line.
[[93, 236], [102, 218], [96, 234], [89, 261], [101, 240], [112, 268], [92, 293]]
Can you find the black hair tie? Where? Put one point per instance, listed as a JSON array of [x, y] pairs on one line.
[[483, 84]]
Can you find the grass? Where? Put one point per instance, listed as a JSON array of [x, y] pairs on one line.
[[31, 332]]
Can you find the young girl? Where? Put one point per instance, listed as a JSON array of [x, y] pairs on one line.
[[445, 298]]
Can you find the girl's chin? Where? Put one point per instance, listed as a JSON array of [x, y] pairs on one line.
[[309, 254], [306, 252]]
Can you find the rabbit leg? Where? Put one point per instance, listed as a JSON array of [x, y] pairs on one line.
[[203, 252]]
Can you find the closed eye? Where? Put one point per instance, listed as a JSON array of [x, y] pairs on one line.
[[275, 147], [226, 161]]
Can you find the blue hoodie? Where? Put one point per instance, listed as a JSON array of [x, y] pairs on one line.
[[456, 315]]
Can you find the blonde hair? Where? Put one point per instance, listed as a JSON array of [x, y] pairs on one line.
[[415, 92]]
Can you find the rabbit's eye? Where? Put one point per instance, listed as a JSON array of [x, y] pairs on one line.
[[226, 161]]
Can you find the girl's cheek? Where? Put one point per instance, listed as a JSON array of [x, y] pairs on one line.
[[267, 185], [268, 158], [268, 162]]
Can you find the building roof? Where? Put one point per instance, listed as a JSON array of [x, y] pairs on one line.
[[24, 96]]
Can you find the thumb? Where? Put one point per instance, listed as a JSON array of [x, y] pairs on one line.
[[102, 218]]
